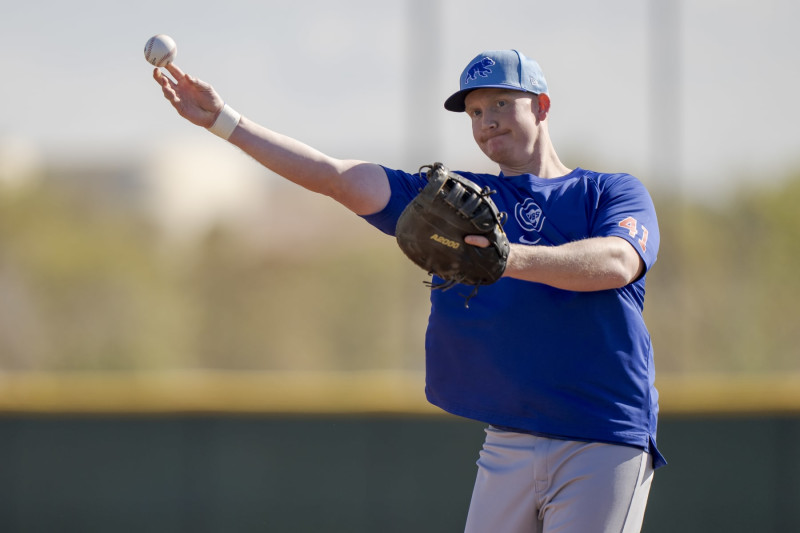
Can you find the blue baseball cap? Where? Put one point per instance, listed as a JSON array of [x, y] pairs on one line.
[[499, 69]]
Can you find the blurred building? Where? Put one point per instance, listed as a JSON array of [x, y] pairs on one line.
[[21, 163]]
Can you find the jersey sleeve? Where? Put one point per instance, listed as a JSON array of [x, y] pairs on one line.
[[625, 209], [404, 188]]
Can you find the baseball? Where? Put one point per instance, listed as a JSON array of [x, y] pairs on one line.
[[160, 50]]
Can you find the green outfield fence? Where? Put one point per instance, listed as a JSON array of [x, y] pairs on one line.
[[230, 452]]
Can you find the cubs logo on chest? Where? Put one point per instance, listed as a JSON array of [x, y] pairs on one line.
[[531, 218]]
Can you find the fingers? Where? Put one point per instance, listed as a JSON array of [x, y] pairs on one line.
[[167, 87], [165, 81], [175, 70], [477, 240], [194, 100], [161, 79], [181, 77]]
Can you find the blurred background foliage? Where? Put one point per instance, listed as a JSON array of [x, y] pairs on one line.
[[85, 285], [88, 285], [724, 294]]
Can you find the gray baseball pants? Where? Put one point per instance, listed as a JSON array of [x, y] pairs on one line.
[[529, 484]]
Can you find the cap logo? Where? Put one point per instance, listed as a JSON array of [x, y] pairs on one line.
[[479, 68]]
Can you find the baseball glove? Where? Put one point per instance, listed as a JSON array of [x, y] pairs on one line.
[[431, 230]]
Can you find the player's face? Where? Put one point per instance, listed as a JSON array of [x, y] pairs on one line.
[[505, 125]]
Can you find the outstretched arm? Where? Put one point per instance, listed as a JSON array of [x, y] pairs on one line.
[[594, 264], [360, 186]]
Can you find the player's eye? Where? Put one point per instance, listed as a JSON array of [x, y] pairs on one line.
[[501, 103]]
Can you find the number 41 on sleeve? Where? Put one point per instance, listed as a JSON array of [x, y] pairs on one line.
[[632, 225]]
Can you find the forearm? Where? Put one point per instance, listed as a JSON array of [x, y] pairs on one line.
[[285, 156], [589, 265], [360, 186]]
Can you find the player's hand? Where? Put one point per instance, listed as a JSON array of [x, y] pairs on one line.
[[195, 100], [477, 240]]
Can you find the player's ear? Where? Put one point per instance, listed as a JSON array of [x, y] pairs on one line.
[[544, 105]]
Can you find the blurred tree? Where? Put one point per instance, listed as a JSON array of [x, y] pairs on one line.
[[732, 303], [335, 310], [90, 284]]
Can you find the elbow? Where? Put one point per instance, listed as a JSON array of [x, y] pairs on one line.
[[620, 278], [361, 187], [610, 279], [333, 179], [627, 266]]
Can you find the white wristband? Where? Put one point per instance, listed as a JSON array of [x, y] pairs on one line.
[[226, 122]]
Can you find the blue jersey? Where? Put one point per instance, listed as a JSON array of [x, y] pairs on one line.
[[533, 358]]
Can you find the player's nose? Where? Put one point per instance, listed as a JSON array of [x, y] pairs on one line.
[[488, 121]]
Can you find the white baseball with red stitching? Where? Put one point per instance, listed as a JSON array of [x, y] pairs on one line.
[[160, 50]]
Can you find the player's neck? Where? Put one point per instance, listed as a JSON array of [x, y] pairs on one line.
[[544, 163]]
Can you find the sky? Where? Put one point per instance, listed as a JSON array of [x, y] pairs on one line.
[[693, 106]]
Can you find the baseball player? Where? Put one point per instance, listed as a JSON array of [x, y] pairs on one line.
[[554, 357]]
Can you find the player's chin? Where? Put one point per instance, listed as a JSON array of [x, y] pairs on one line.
[[500, 157], [496, 150]]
